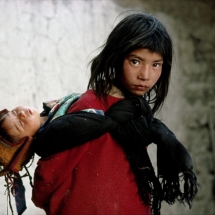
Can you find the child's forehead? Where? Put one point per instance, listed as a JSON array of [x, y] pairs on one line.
[[7, 120]]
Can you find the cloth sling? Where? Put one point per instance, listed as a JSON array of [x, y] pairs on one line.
[[132, 124], [59, 107]]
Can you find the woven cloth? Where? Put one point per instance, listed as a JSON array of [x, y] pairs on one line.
[[14, 155]]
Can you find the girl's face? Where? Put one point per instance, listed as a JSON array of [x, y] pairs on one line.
[[22, 121], [141, 70]]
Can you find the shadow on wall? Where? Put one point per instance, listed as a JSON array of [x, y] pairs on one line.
[[188, 107]]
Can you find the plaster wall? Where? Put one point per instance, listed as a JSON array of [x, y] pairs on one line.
[[45, 47]]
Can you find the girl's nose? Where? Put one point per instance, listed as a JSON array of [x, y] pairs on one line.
[[144, 72]]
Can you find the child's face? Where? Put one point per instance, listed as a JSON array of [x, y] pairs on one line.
[[22, 121], [141, 70]]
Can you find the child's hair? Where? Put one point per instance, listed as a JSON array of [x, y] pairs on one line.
[[135, 31], [4, 130]]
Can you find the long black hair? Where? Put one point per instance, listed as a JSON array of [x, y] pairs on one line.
[[138, 30]]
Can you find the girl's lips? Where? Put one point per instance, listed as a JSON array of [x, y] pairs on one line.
[[141, 87]]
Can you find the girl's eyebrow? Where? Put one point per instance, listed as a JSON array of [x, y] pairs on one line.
[[138, 57], [161, 60]]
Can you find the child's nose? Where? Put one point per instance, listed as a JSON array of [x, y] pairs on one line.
[[22, 114]]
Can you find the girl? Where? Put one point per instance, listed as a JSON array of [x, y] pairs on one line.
[[99, 177], [96, 178]]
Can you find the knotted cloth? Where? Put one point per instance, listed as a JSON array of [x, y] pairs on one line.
[[13, 156], [131, 123]]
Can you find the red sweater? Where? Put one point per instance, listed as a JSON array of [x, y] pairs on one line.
[[92, 179]]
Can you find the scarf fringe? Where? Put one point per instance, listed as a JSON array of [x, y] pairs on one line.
[[168, 187], [190, 188]]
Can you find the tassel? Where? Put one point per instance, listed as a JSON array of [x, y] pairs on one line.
[[190, 187], [19, 194]]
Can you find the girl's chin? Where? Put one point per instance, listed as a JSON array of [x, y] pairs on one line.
[[137, 93]]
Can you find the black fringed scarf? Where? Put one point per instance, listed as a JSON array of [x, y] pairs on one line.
[[131, 123], [174, 163]]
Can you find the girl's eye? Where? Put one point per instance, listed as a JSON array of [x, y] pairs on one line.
[[14, 112], [135, 62], [156, 65]]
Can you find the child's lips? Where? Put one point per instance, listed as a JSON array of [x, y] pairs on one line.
[[29, 111]]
